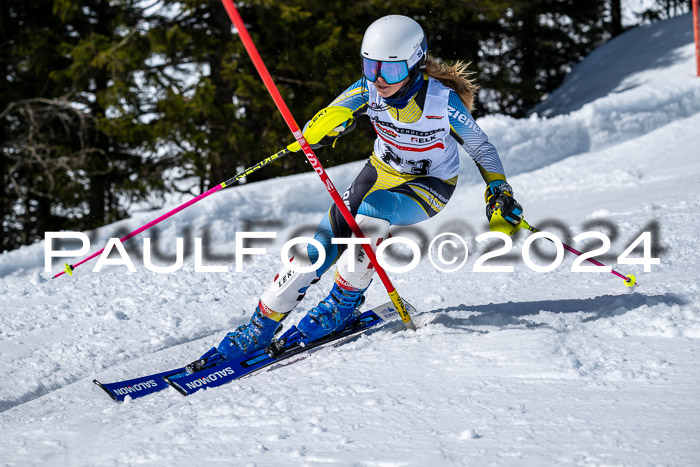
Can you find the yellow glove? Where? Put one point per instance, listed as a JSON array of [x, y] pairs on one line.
[[503, 212], [326, 126]]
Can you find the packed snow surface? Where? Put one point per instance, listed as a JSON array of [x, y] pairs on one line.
[[519, 368]]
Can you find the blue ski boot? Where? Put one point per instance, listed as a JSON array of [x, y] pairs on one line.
[[332, 314], [251, 337], [208, 360]]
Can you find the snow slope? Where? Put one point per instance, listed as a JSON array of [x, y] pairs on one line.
[[518, 368]]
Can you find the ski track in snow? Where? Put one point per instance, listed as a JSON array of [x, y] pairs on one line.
[[505, 369]]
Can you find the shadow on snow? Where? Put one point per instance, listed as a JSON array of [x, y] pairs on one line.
[[512, 313]]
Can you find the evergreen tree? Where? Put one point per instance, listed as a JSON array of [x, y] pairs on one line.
[[73, 142], [537, 43], [664, 9], [104, 102], [615, 18]]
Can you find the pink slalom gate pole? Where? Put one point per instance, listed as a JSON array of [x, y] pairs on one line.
[[311, 156]]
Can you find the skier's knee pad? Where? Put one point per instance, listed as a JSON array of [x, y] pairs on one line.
[[289, 287], [355, 269]]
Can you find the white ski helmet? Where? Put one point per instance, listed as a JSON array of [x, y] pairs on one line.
[[394, 38]]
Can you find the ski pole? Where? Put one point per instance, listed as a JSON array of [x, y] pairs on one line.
[[313, 160], [70, 267], [629, 279]]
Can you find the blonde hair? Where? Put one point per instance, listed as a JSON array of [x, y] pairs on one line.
[[456, 77]]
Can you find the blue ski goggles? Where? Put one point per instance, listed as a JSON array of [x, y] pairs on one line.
[[392, 72]]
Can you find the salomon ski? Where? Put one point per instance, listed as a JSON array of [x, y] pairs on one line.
[[282, 349], [137, 387], [286, 347]]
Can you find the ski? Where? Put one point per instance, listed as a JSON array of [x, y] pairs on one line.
[[285, 348], [137, 387], [282, 349]]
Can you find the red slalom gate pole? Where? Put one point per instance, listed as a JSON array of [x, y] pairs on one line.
[[696, 28], [313, 160]]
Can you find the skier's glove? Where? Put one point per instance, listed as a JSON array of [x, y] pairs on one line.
[[500, 204], [497, 187], [335, 133], [326, 127]]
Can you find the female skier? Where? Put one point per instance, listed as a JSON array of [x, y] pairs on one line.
[[420, 111]]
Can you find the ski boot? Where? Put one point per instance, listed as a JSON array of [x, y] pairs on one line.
[[249, 338], [208, 360], [334, 313]]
